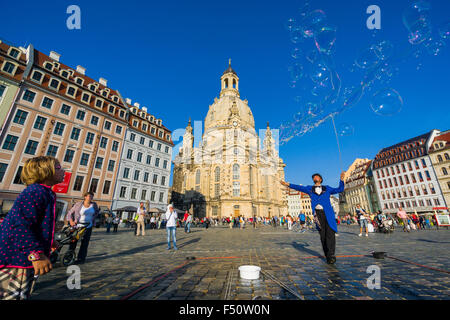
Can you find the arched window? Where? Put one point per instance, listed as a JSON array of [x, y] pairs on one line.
[[444, 171], [197, 177], [447, 157], [439, 157], [234, 83], [226, 83], [217, 174], [236, 172], [236, 189]]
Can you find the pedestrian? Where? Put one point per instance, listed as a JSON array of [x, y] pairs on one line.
[[363, 220], [186, 215], [140, 223], [302, 219], [323, 211], [83, 214], [116, 222], [171, 217], [404, 217], [289, 222], [26, 233], [189, 222], [109, 221]]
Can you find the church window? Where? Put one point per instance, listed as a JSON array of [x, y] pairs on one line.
[[236, 189], [226, 83], [197, 177], [217, 174], [236, 171]]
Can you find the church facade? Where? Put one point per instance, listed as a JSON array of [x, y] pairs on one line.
[[230, 172]]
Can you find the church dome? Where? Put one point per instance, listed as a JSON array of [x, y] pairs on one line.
[[226, 108]]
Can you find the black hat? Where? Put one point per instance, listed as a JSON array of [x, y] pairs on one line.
[[316, 174]]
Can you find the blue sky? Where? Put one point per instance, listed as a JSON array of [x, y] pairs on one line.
[[169, 56]]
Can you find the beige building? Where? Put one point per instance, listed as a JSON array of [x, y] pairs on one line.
[[298, 202], [440, 158], [229, 173], [359, 188], [59, 111], [344, 206]]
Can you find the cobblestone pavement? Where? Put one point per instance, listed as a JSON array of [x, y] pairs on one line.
[[118, 264]]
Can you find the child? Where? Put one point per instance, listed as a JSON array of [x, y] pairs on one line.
[[26, 234]]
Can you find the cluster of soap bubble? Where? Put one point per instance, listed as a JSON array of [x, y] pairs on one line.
[[312, 69]]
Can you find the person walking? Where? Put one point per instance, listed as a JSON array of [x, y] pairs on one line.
[[324, 213], [189, 222], [109, 221], [116, 222], [401, 214], [363, 220], [83, 214], [26, 233], [140, 223], [171, 226], [186, 215], [302, 219]]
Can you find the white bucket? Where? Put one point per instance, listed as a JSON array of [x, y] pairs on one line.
[[249, 272]]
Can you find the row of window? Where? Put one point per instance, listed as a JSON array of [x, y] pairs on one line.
[[133, 194], [412, 204], [403, 166], [439, 157], [410, 192], [148, 160], [137, 175], [142, 141], [383, 183], [398, 158]]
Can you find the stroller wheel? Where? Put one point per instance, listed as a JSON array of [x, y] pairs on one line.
[[68, 258]]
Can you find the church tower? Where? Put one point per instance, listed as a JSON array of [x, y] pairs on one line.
[[230, 82]]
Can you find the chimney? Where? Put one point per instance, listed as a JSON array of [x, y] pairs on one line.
[[136, 105], [54, 55], [144, 109], [103, 81], [128, 100], [81, 70]]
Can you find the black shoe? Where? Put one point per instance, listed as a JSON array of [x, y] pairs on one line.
[[331, 260]]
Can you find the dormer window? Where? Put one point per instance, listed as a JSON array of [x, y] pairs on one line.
[[48, 66], [65, 74], [115, 99], [37, 76], [99, 103], [54, 84], [79, 81], [9, 67], [71, 91], [14, 53], [56, 65], [92, 87], [105, 93], [135, 124]]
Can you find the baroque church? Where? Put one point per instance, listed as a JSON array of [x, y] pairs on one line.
[[230, 173]]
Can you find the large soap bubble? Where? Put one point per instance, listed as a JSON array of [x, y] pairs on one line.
[[313, 22], [386, 102], [325, 38], [320, 73], [416, 19], [367, 58], [384, 50]]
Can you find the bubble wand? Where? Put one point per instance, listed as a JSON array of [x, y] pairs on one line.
[[337, 140]]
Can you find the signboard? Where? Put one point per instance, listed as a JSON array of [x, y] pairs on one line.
[[63, 187], [443, 219]]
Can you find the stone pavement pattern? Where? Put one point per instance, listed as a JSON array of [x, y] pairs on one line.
[[117, 264]]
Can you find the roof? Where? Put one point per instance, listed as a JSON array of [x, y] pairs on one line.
[[444, 137]]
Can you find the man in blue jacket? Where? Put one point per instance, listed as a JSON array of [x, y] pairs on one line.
[[323, 211]]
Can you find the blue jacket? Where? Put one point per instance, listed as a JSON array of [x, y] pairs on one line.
[[29, 226], [323, 199]]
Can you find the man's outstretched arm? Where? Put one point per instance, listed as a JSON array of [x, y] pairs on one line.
[[341, 185], [296, 187]]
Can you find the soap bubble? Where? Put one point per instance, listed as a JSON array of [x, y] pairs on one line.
[[295, 71], [444, 30], [367, 58], [384, 50], [296, 35], [312, 23], [299, 116], [313, 109], [296, 53], [435, 47], [386, 102], [290, 24], [352, 96], [416, 20], [345, 129], [325, 39], [319, 73], [292, 84], [312, 56]]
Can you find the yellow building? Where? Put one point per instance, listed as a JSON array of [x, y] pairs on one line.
[[440, 158], [229, 173]]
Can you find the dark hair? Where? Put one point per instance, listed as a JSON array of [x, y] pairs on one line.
[[88, 193], [316, 174]]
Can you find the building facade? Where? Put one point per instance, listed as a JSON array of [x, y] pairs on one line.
[[345, 207], [405, 177], [145, 163], [298, 202], [60, 112], [440, 158], [229, 173], [360, 188]]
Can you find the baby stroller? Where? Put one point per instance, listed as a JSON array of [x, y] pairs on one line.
[[385, 225], [66, 236]]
